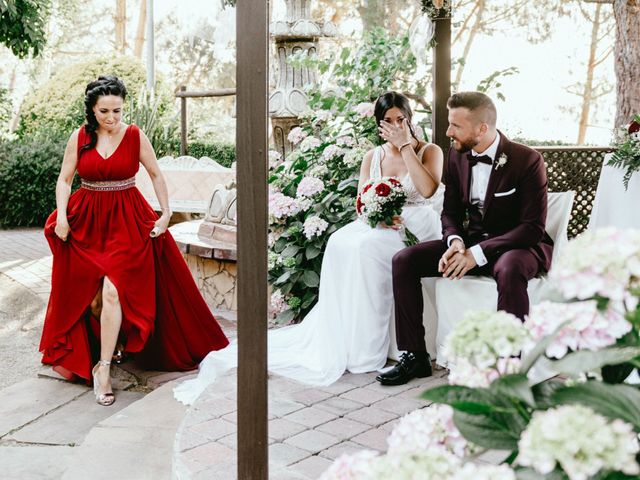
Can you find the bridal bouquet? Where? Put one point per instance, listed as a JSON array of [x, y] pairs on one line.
[[382, 199], [627, 154]]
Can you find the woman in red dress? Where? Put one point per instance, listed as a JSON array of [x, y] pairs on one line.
[[110, 249]]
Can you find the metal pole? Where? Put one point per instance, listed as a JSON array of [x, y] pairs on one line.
[[442, 82], [251, 149], [151, 59], [183, 121]]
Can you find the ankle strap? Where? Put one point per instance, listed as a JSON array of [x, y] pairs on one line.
[[104, 363]]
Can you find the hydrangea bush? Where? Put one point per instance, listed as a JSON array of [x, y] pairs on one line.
[[312, 190], [573, 427]]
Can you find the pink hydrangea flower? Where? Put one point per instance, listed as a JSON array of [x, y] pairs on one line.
[[309, 186], [364, 109], [281, 206], [359, 466], [330, 152], [296, 135], [588, 327]]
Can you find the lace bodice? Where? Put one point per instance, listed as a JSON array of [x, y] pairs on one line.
[[414, 197]]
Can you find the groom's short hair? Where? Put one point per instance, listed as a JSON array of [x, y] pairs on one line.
[[479, 104]]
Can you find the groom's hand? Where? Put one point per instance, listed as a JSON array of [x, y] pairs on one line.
[[457, 246], [459, 265]]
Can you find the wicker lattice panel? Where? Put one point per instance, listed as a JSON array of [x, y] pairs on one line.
[[577, 169]]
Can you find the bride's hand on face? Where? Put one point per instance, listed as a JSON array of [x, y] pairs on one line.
[[397, 223], [396, 136]]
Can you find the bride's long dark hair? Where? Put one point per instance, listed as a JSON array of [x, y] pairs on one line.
[[394, 99], [104, 85]]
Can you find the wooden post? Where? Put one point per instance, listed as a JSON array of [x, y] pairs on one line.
[[183, 121], [120, 26], [251, 150], [442, 80]]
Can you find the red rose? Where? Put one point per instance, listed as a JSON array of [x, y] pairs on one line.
[[366, 187], [359, 205], [382, 190], [634, 127], [394, 181]]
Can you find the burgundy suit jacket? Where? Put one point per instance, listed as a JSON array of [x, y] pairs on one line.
[[515, 218]]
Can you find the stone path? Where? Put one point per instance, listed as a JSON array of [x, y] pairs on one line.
[[308, 427], [51, 429]]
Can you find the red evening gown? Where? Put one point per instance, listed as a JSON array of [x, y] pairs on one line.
[[164, 316]]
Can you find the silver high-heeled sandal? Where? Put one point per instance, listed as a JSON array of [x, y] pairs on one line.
[[104, 399]]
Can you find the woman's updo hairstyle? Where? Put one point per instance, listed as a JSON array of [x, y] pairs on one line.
[[103, 86], [389, 100]]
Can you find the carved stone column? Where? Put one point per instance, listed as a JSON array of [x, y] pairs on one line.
[[288, 101]]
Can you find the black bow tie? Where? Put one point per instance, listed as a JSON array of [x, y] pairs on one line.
[[473, 161]]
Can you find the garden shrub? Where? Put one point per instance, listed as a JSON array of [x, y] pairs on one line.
[[29, 169], [58, 104]]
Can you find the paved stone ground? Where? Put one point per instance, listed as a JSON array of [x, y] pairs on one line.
[[51, 429], [308, 427]]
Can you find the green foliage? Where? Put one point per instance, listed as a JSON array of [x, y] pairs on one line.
[[151, 115], [493, 81], [223, 153], [58, 105], [29, 169], [337, 137], [627, 154], [23, 25], [6, 109]]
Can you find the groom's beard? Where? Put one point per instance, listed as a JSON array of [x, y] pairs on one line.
[[464, 146]]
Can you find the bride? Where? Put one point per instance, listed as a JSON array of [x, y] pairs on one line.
[[348, 329]]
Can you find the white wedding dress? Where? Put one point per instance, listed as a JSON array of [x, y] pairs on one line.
[[348, 329]]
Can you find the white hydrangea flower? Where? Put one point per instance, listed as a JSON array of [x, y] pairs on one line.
[[358, 466], [314, 226], [588, 327], [304, 203], [432, 464], [354, 156], [318, 171], [345, 141], [581, 441], [475, 471], [275, 158], [309, 186], [428, 428], [482, 337], [467, 374], [330, 152], [364, 109], [324, 115], [309, 143], [296, 135], [605, 263], [278, 303]]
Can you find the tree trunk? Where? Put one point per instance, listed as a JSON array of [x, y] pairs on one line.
[[120, 24], [627, 59], [372, 14], [587, 92], [142, 18], [472, 35]]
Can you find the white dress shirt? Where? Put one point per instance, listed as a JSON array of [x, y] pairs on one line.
[[480, 174]]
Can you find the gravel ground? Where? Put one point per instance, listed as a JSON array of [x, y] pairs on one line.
[[21, 318]]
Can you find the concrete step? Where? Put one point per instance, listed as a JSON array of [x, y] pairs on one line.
[[135, 443], [42, 421]]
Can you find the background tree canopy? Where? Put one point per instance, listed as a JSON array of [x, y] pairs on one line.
[[23, 25]]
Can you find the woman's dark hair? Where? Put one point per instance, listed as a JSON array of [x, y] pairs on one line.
[[394, 99], [104, 85]]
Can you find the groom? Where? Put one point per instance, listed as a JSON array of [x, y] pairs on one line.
[[493, 223]]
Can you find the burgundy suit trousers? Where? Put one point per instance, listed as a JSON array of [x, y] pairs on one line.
[[512, 271]]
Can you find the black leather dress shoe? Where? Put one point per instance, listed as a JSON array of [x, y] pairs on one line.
[[408, 368]]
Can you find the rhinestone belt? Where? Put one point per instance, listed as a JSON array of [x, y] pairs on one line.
[[109, 185]]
